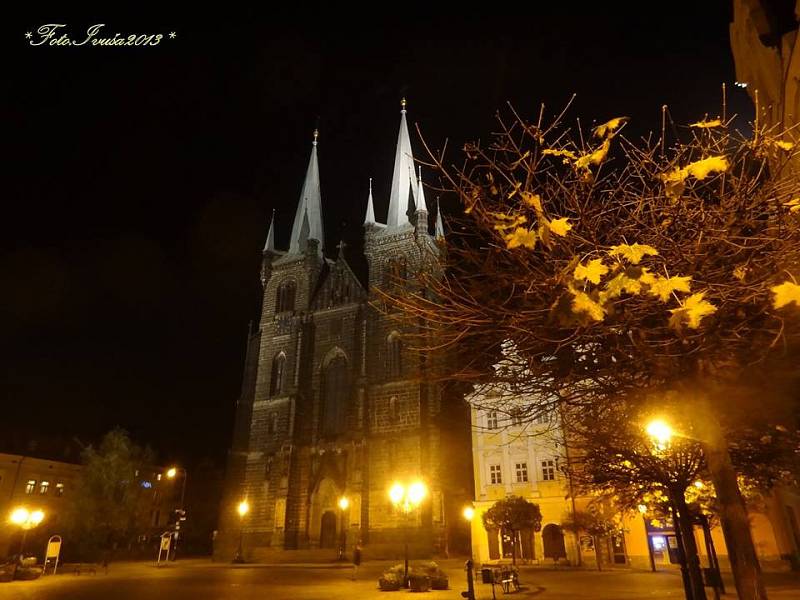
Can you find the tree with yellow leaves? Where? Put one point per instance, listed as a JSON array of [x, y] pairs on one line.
[[620, 269]]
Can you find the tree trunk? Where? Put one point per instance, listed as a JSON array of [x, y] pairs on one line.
[[598, 558], [735, 524], [730, 505], [687, 584], [684, 521]]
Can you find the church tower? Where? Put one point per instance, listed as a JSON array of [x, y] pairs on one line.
[[333, 404]]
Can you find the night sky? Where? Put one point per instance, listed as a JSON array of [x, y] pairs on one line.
[[140, 181]]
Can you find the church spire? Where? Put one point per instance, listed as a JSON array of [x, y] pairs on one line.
[[309, 209], [270, 245], [439, 231], [403, 183], [421, 204], [369, 218]]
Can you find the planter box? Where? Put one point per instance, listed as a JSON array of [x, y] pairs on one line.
[[389, 585], [419, 583]]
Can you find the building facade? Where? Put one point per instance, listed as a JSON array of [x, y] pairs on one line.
[[47, 485], [333, 403], [516, 458]]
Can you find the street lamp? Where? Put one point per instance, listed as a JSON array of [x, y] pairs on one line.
[[661, 432], [26, 520], [344, 504], [172, 473], [469, 513], [407, 498], [243, 508]]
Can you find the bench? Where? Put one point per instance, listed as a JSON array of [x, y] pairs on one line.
[[78, 568], [508, 578]]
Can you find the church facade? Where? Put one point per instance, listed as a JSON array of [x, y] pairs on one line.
[[333, 403]]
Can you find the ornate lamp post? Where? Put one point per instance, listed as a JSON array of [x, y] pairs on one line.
[[243, 508], [407, 498], [26, 520]]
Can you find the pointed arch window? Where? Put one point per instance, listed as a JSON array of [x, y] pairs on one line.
[[284, 300], [276, 378], [335, 396], [394, 355]]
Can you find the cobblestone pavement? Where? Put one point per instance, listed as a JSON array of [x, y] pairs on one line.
[[204, 580]]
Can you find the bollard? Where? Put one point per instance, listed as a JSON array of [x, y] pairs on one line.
[[470, 593]]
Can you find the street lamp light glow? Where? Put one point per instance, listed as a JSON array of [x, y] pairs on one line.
[[660, 431], [344, 502], [171, 472], [468, 513], [396, 493], [19, 516], [37, 517], [416, 492], [243, 508]]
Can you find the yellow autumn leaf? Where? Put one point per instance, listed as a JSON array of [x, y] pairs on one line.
[[740, 272], [567, 154], [560, 226], [520, 237], [647, 277], [582, 303], [609, 126], [594, 158], [784, 145], [592, 271], [618, 285], [633, 253], [694, 309], [786, 293], [702, 168], [793, 205], [508, 221], [664, 286], [707, 124], [533, 200]]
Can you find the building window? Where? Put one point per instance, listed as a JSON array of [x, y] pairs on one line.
[[59, 489], [548, 470], [276, 379], [394, 355], [272, 423], [491, 419], [495, 474], [396, 271], [516, 417], [542, 418], [30, 487], [158, 477], [43, 487], [336, 396], [284, 300], [393, 410], [522, 472]]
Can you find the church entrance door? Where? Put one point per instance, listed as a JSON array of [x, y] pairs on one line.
[[327, 534]]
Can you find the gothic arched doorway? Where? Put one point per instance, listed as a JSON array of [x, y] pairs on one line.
[[327, 532], [553, 542]]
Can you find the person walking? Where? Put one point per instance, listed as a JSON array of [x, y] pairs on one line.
[[356, 560]]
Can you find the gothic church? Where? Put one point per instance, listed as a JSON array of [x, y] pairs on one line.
[[332, 403]]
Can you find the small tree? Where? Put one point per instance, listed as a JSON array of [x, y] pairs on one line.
[[512, 515], [101, 513]]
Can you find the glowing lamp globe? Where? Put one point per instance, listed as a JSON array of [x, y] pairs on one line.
[[396, 493], [416, 492]]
